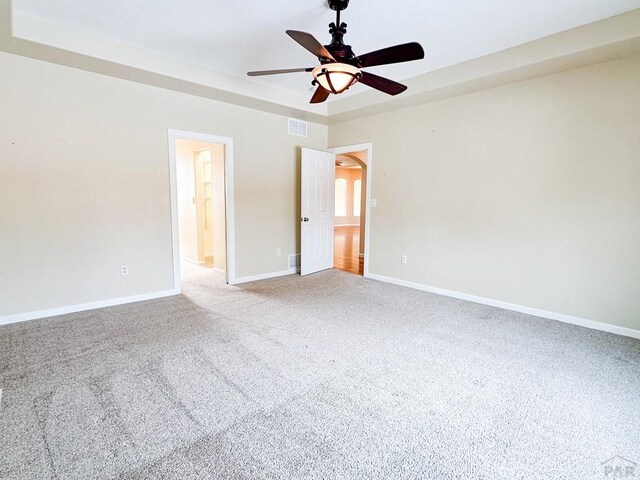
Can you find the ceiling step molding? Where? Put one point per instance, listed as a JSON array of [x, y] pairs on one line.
[[28, 36], [601, 41], [604, 40]]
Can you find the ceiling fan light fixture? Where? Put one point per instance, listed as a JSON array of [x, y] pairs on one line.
[[336, 77]]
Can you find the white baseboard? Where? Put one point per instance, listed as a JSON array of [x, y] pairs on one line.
[[582, 322], [265, 276], [22, 317], [191, 261]]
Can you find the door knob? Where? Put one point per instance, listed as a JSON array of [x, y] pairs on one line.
[[304, 219]]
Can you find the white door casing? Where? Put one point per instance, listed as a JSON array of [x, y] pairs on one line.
[[316, 210], [230, 243]]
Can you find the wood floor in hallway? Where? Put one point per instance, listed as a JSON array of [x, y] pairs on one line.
[[346, 242]]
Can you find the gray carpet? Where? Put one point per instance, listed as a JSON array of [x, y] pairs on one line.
[[328, 376]]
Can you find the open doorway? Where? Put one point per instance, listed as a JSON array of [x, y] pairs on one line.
[[350, 211], [322, 246], [202, 206]]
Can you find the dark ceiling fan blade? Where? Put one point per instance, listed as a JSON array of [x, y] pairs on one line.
[[276, 72], [396, 54], [383, 84], [320, 95], [309, 42]]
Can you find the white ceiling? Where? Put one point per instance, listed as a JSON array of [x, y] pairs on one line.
[[347, 162], [237, 36]]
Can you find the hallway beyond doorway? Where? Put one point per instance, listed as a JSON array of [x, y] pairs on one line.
[[346, 249], [211, 192]]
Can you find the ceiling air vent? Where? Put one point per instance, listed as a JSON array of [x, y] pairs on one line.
[[297, 127]]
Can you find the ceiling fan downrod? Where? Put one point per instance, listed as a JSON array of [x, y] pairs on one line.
[[337, 30], [338, 6]]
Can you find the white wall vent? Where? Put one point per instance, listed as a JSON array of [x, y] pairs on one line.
[[294, 261], [297, 127]]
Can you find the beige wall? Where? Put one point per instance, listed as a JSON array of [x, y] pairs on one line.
[[527, 193], [84, 184]]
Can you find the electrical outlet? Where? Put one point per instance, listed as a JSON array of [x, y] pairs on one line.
[[373, 203], [124, 270], [278, 252], [403, 258]]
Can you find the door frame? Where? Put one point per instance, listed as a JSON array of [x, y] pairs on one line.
[[230, 232], [367, 221]]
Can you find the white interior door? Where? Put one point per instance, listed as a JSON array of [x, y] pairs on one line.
[[317, 199]]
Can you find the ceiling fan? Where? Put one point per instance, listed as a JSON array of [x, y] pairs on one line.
[[340, 68]]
